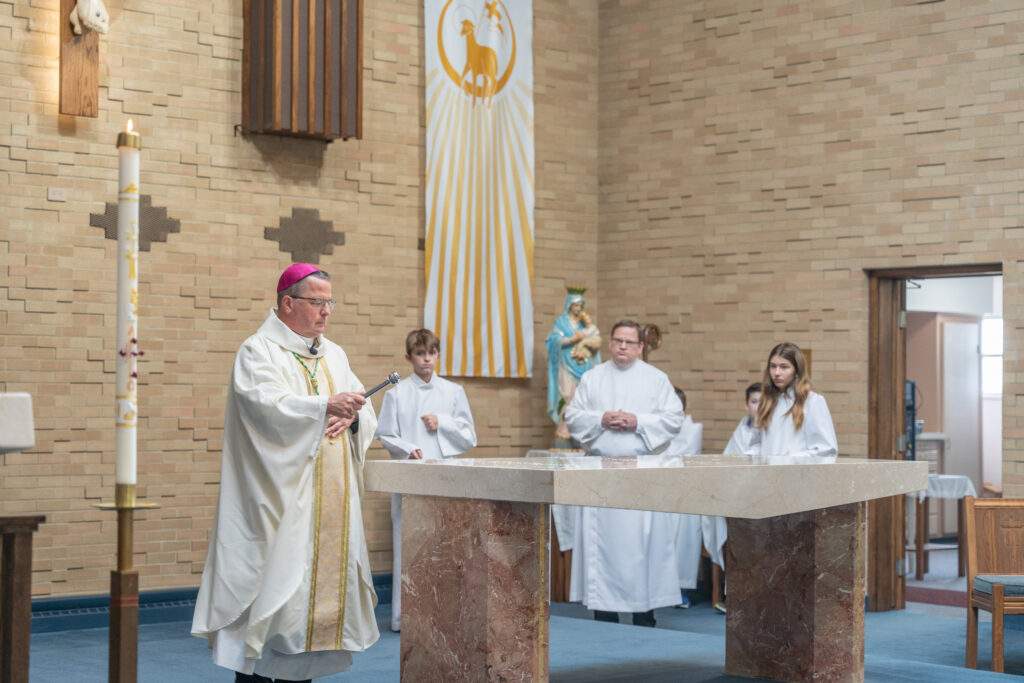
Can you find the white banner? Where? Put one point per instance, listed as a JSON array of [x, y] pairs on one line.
[[479, 185]]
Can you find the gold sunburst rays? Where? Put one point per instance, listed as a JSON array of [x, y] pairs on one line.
[[479, 231], [447, 124], [515, 254]]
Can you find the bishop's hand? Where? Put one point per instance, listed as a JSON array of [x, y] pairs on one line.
[[336, 426], [346, 404]]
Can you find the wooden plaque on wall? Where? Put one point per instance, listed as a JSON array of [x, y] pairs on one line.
[[79, 67], [302, 68]]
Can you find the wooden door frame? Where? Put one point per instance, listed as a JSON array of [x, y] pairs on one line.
[[886, 372]]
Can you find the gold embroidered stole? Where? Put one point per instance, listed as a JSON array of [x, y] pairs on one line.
[[329, 574]]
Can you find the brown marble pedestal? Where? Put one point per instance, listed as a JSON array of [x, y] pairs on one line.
[[474, 590], [796, 596]]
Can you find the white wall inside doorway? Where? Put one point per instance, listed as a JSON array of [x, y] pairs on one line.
[[978, 297]]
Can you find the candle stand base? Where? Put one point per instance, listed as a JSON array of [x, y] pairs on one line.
[[124, 589], [124, 626]]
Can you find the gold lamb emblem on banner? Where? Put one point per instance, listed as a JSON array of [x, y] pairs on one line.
[[479, 75]]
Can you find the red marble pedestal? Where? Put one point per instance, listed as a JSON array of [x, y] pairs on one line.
[[474, 590], [796, 596]]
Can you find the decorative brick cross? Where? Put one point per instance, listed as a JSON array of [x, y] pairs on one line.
[[154, 224], [305, 236]]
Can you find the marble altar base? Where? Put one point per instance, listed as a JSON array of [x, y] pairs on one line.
[[474, 590], [796, 596]]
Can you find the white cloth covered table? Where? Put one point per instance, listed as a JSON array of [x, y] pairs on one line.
[[947, 486], [954, 486]]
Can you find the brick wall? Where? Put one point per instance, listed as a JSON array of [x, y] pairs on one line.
[[750, 163], [755, 158], [176, 70]]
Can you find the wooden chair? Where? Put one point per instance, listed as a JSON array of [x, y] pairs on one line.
[[995, 569]]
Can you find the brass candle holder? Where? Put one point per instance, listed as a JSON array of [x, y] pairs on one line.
[[124, 588]]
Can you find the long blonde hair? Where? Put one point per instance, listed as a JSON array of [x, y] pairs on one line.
[[770, 393]]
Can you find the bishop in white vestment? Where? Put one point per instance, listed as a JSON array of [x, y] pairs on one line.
[[287, 592], [405, 433], [624, 560]]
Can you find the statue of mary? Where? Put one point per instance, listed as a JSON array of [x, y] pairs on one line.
[[573, 348]]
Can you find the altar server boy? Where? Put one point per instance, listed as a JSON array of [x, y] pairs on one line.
[[425, 417], [744, 432]]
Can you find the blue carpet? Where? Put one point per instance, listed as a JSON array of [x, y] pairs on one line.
[[688, 645]]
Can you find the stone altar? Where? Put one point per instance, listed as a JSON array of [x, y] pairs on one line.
[[475, 552]]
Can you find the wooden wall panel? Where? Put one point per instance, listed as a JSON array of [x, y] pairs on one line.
[[302, 66]]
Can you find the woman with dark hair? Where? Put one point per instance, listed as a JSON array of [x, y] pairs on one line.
[[791, 418]]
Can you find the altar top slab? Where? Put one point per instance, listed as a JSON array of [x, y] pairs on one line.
[[731, 486]]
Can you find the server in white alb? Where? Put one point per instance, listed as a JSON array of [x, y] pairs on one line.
[[624, 560], [791, 420], [424, 417]]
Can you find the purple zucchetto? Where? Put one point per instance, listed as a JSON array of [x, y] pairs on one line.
[[294, 273]]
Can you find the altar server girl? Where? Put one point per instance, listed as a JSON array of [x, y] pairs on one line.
[[791, 419]]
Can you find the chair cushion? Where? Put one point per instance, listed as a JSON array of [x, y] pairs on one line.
[[1013, 583]]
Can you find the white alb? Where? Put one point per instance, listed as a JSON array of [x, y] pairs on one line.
[[625, 560]]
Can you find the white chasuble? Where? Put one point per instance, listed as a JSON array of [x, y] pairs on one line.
[[625, 560], [816, 436], [401, 431], [287, 591]]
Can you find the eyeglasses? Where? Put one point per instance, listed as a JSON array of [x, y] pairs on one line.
[[625, 342], [329, 304]]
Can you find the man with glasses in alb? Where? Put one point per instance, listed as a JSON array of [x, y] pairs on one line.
[[625, 560]]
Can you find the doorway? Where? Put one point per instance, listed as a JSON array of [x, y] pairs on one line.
[[954, 412], [892, 294]]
